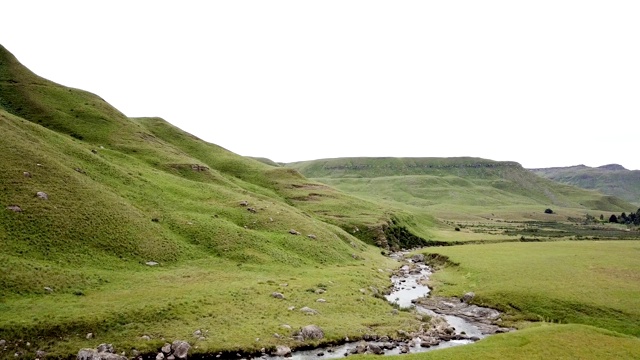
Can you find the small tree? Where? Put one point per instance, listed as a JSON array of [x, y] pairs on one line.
[[548, 211], [613, 218]]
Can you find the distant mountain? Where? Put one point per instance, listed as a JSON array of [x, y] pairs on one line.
[[612, 179], [460, 185]]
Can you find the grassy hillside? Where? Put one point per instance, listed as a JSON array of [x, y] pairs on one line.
[[612, 180], [467, 193], [123, 192]]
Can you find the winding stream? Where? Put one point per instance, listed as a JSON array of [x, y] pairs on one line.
[[408, 286]]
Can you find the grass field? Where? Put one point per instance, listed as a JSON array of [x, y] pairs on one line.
[[586, 282], [543, 342]]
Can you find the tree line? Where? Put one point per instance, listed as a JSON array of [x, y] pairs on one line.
[[631, 219]]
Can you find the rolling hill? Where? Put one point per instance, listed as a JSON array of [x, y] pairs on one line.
[[610, 179], [117, 226], [459, 190]]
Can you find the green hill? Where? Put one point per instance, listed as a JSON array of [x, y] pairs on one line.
[[461, 191], [611, 179], [216, 227]]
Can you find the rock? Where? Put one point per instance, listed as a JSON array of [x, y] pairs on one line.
[[40, 354], [389, 345], [89, 336], [417, 258], [26, 174], [166, 348], [311, 332], [291, 308], [48, 289], [252, 210], [375, 349], [311, 236], [309, 311], [361, 348], [108, 348], [145, 337], [321, 300], [3, 342], [160, 356], [42, 195], [474, 338], [277, 295], [283, 351], [468, 296], [286, 326], [180, 349], [87, 354], [244, 203], [171, 357], [320, 354], [197, 333], [320, 291], [404, 349], [151, 263], [14, 208], [293, 232]]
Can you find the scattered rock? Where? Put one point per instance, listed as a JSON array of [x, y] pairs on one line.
[[375, 349], [320, 291], [252, 210], [321, 300], [180, 349], [277, 295], [108, 348], [468, 296], [311, 332], [94, 151], [283, 351], [26, 174], [42, 195], [3, 342], [286, 326], [90, 336], [14, 208], [151, 263], [291, 308], [160, 356], [197, 333], [40, 354], [312, 236], [293, 232], [417, 258], [48, 289], [145, 337], [166, 348], [244, 203], [309, 311]]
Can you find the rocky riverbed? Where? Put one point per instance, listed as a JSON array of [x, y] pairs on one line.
[[448, 322]]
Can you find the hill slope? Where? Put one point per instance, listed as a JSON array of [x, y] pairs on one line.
[[89, 197], [488, 196], [611, 179]]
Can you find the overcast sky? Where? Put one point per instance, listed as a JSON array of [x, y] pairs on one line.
[[543, 83]]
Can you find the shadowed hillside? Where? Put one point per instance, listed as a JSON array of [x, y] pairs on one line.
[[610, 179]]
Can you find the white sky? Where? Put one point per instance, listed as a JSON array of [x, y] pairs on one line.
[[543, 83]]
